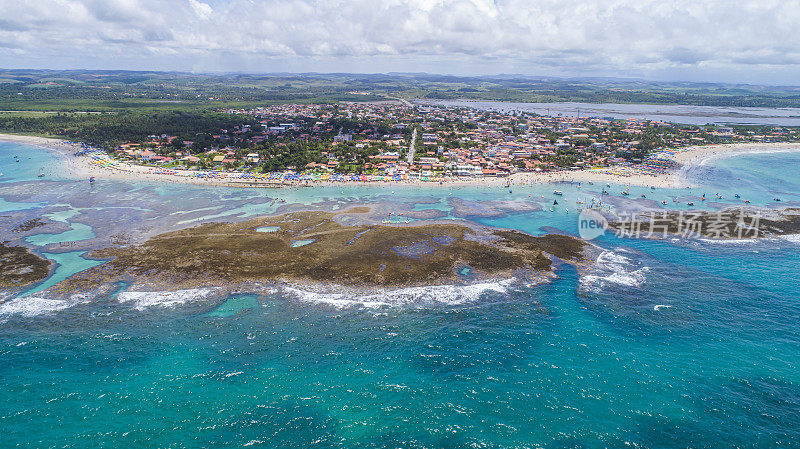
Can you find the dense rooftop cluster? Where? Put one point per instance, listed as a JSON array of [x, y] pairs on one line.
[[396, 139]]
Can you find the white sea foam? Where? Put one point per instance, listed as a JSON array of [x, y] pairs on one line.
[[166, 299], [729, 241], [614, 268], [31, 306], [794, 238], [429, 295]]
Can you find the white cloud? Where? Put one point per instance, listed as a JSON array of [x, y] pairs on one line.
[[467, 36], [203, 10]]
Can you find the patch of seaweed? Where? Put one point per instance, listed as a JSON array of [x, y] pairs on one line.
[[28, 225]]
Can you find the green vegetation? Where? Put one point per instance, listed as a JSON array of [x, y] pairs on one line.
[[179, 116], [108, 130], [71, 91]]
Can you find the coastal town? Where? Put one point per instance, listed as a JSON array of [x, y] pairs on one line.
[[399, 141]]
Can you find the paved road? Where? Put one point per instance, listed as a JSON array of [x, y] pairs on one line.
[[405, 102], [411, 148]]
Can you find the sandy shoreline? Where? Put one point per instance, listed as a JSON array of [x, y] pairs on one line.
[[84, 167]]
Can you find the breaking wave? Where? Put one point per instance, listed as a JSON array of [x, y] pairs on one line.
[[614, 269], [729, 241], [165, 299], [794, 238], [415, 296], [31, 306]]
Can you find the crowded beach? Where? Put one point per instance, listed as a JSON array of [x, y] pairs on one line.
[[392, 143]]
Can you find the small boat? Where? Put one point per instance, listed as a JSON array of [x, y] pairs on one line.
[[41, 175], [776, 199], [703, 198], [690, 203], [557, 192], [747, 201], [719, 197], [555, 202], [625, 193], [664, 202], [644, 196], [737, 196], [91, 181]]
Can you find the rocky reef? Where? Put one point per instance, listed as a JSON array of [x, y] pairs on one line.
[[28, 225], [316, 246], [741, 223], [20, 268]]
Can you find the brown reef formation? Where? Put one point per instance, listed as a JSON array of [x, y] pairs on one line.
[[29, 225], [726, 224], [20, 268], [315, 246]]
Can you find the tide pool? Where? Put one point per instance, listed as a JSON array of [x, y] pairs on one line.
[[78, 232], [67, 264], [299, 243]]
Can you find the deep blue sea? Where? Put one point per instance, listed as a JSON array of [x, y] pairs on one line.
[[659, 344]]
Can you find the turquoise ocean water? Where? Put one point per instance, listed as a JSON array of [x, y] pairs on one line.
[[659, 344]]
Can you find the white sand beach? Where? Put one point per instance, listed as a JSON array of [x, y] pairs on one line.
[[83, 167], [685, 158]]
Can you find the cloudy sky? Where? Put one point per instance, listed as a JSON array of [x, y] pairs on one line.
[[753, 41]]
